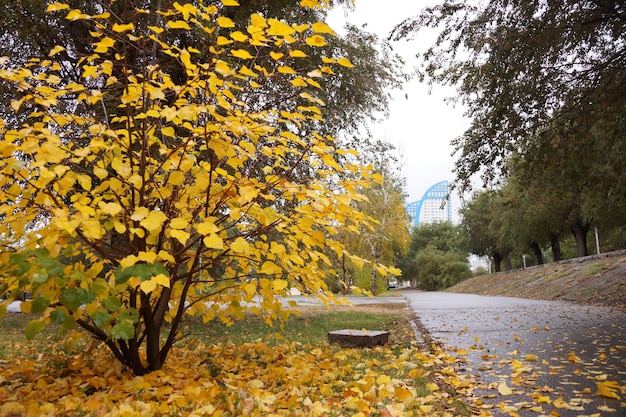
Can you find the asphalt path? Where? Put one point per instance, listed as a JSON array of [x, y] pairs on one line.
[[529, 357]]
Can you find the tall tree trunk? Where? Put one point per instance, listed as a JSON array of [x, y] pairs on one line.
[[579, 229], [376, 252], [508, 265], [555, 246], [537, 252], [497, 262]]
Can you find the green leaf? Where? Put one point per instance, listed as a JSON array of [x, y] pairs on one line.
[[100, 286], [73, 298], [18, 259], [41, 252], [38, 305], [143, 271], [130, 315], [58, 316], [21, 261], [53, 266], [112, 303], [124, 330], [100, 317], [40, 276], [34, 327]]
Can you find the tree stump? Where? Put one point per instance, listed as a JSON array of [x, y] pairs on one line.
[[348, 338]]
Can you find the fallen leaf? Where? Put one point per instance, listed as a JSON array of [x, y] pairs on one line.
[[504, 390]]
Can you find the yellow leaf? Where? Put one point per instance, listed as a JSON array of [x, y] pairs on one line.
[[230, 3], [154, 221], [178, 24], [315, 40], [56, 7], [279, 28], [345, 62], [531, 357], [270, 268], [279, 285], [250, 289], [241, 53], [148, 286], [504, 390], [25, 306], [543, 399], [426, 409], [180, 235], [284, 69], [186, 9], [297, 54], [299, 82], [239, 36], [206, 227], [403, 394], [149, 257], [608, 389], [123, 28], [258, 20], [222, 67], [56, 50], [225, 22], [179, 223], [76, 15], [383, 379], [110, 208], [276, 55], [321, 27], [156, 29], [140, 214], [163, 280], [248, 193], [240, 245], [104, 45]]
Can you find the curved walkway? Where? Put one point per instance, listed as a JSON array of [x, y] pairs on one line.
[[531, 357]]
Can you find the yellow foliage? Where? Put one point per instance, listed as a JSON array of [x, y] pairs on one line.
[[150, 183]]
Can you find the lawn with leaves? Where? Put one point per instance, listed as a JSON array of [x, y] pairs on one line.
[[248, 369]]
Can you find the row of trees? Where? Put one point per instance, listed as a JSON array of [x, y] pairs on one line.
[[544, 84]]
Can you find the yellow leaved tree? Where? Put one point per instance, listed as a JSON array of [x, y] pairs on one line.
[[145, 188]]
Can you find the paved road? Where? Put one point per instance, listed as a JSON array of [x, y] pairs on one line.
[[551, 355]]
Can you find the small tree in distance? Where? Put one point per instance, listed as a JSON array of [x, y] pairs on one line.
[[134, 198]]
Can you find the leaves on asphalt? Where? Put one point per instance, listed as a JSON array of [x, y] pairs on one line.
[[554, 379]]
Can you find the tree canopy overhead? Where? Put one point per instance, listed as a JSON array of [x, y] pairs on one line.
[[523, 67], [149, 185]]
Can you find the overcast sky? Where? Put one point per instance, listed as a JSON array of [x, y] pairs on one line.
[[420, 123]]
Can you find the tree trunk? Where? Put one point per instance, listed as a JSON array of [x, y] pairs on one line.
[[579, 229], [376, 252], [497, 262], [345, 288], [374, 278], [537, 252], [555, 245], [507, 262]]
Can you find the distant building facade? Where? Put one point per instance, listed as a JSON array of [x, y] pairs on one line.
[[433, 207]]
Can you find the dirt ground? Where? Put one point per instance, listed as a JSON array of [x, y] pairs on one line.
[[596, 281]]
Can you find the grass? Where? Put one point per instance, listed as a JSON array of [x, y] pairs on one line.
[[310, 326]]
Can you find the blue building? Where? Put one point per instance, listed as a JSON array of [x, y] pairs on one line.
[[433, 207]]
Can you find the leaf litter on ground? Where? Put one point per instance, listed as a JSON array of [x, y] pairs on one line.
[[75, 377]]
